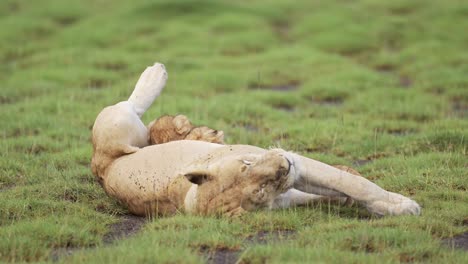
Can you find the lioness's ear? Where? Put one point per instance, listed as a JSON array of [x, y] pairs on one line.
[[198, 177]]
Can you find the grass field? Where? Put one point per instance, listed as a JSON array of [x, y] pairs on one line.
[[378, 85]]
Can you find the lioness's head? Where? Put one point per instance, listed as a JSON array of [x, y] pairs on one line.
[[235, 183]]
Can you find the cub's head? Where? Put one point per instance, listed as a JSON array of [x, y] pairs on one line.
[[170, 128], [237, 183]]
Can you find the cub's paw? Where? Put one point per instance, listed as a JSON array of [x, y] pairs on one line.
[[394, 204], [207, 134], [182, 124]]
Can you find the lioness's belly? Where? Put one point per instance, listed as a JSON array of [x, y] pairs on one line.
[[148, 172], [145, 176]]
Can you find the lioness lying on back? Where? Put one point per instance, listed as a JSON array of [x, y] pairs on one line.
[[206, 178]]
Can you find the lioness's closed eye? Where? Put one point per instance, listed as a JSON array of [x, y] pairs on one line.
[[235, 183], [170, 128]]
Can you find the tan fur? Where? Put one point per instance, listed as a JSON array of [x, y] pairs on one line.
[[170, 128], [349, 201], [205, 178], [237, 181]]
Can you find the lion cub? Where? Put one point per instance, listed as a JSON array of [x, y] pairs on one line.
[[170, 128]]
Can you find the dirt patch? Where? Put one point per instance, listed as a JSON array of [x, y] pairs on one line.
[[231, 256], [66, 20], [241, 51], [282, 136], [385, 68], [399, 132], [96, 83], [4, 188], [405, 82], [250, 127], [287, 87], [368, 159], [267, 237], [70, 196], [438, 90], [14, 7], [281, 29], [367, 246], [462, 222], [112, 66], [23, 132], [5, 100], [220, 256], [328, 101], [128, 225], [59, 253], [361, 162], [460, 108], [457, 242], [403, 10], [284, 107]]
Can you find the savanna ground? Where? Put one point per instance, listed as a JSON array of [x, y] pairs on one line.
[[378, 85]]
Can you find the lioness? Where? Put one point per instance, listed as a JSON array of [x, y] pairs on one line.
[[206, 178]]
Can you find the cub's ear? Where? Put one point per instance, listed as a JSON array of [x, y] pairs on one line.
[[198, 177]]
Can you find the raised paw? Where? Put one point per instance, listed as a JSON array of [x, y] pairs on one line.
[[394, 204], [155, 75], [148, 87]]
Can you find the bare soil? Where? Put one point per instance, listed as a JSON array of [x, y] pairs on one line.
[[230, 256], [457, 242], [128, 226]]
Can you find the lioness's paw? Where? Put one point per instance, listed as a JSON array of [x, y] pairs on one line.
[[394, 204], [148, 87], [153, 76]]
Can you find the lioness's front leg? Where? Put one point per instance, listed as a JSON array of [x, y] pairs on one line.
[[295, 197], [312, 175]]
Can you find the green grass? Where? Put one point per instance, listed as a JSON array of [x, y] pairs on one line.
[[367, 80]]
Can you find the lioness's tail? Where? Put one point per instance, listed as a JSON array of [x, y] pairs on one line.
[[148, 88]]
